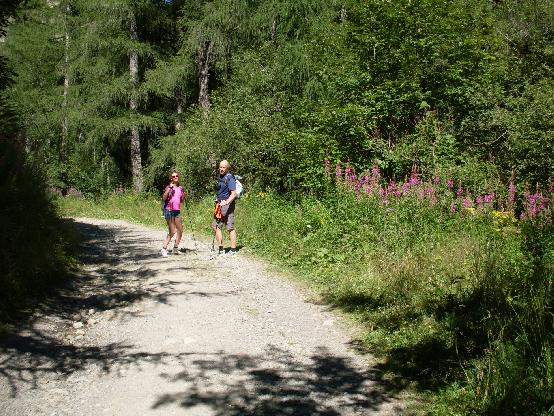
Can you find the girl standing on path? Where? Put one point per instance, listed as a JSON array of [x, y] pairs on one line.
[[173, 196]]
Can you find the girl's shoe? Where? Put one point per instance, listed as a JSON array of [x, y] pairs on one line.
[[163, 252], [175, 250]]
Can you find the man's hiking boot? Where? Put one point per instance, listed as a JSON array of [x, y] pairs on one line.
[[163, 252], [230, 253]]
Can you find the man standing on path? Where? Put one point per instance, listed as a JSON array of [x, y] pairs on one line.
[[225, 208]]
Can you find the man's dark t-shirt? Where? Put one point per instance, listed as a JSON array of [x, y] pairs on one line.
[[225, 184]]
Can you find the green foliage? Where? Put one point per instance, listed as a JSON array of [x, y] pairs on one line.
[[35, 251], [441, 85], [35, 246], [462, 89]]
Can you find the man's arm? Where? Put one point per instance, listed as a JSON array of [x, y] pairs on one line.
[[230, 199]]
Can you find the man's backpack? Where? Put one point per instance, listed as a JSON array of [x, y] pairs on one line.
[[239, 188]]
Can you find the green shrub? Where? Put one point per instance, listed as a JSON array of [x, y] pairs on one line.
[[35, 250]]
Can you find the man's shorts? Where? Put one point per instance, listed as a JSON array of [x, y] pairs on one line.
[[171, 214], [228, 220]]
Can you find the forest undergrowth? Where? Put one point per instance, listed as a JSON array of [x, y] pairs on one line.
[[37, 248]]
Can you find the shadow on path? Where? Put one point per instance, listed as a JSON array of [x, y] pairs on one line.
[[276, 383], [118, 271]]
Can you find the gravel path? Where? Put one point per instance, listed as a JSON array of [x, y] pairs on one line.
[[138, 334]]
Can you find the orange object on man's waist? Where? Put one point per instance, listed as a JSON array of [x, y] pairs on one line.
[[217, 211]]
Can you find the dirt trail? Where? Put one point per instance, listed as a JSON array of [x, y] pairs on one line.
[[139, 334]]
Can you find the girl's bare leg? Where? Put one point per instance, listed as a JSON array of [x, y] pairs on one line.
[[171, 233], [179, 229]]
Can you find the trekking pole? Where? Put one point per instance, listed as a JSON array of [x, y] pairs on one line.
[[191, 228]]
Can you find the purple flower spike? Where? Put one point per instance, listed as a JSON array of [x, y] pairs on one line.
[[414, 180], [450, 184], [393, 189], [338, 170], [375, 171], [511, 192], [489, 198], [436, 180]]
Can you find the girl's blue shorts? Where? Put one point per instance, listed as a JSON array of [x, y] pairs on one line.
[[171, 214]]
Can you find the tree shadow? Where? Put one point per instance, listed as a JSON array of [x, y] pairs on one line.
[[115, 275], [31, 354], [276, 383]]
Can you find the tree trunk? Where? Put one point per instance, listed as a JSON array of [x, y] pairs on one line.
[[342, 13], [204, 56], [65, 128], [136, 163], [180, 109]]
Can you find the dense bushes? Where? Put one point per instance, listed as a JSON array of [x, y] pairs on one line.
[[429, 82], [35, 244]]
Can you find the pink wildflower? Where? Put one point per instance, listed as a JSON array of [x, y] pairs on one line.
[[393, 189], [375, 171], [511, 192], [414, 180], [488, 198], [467, 202]]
